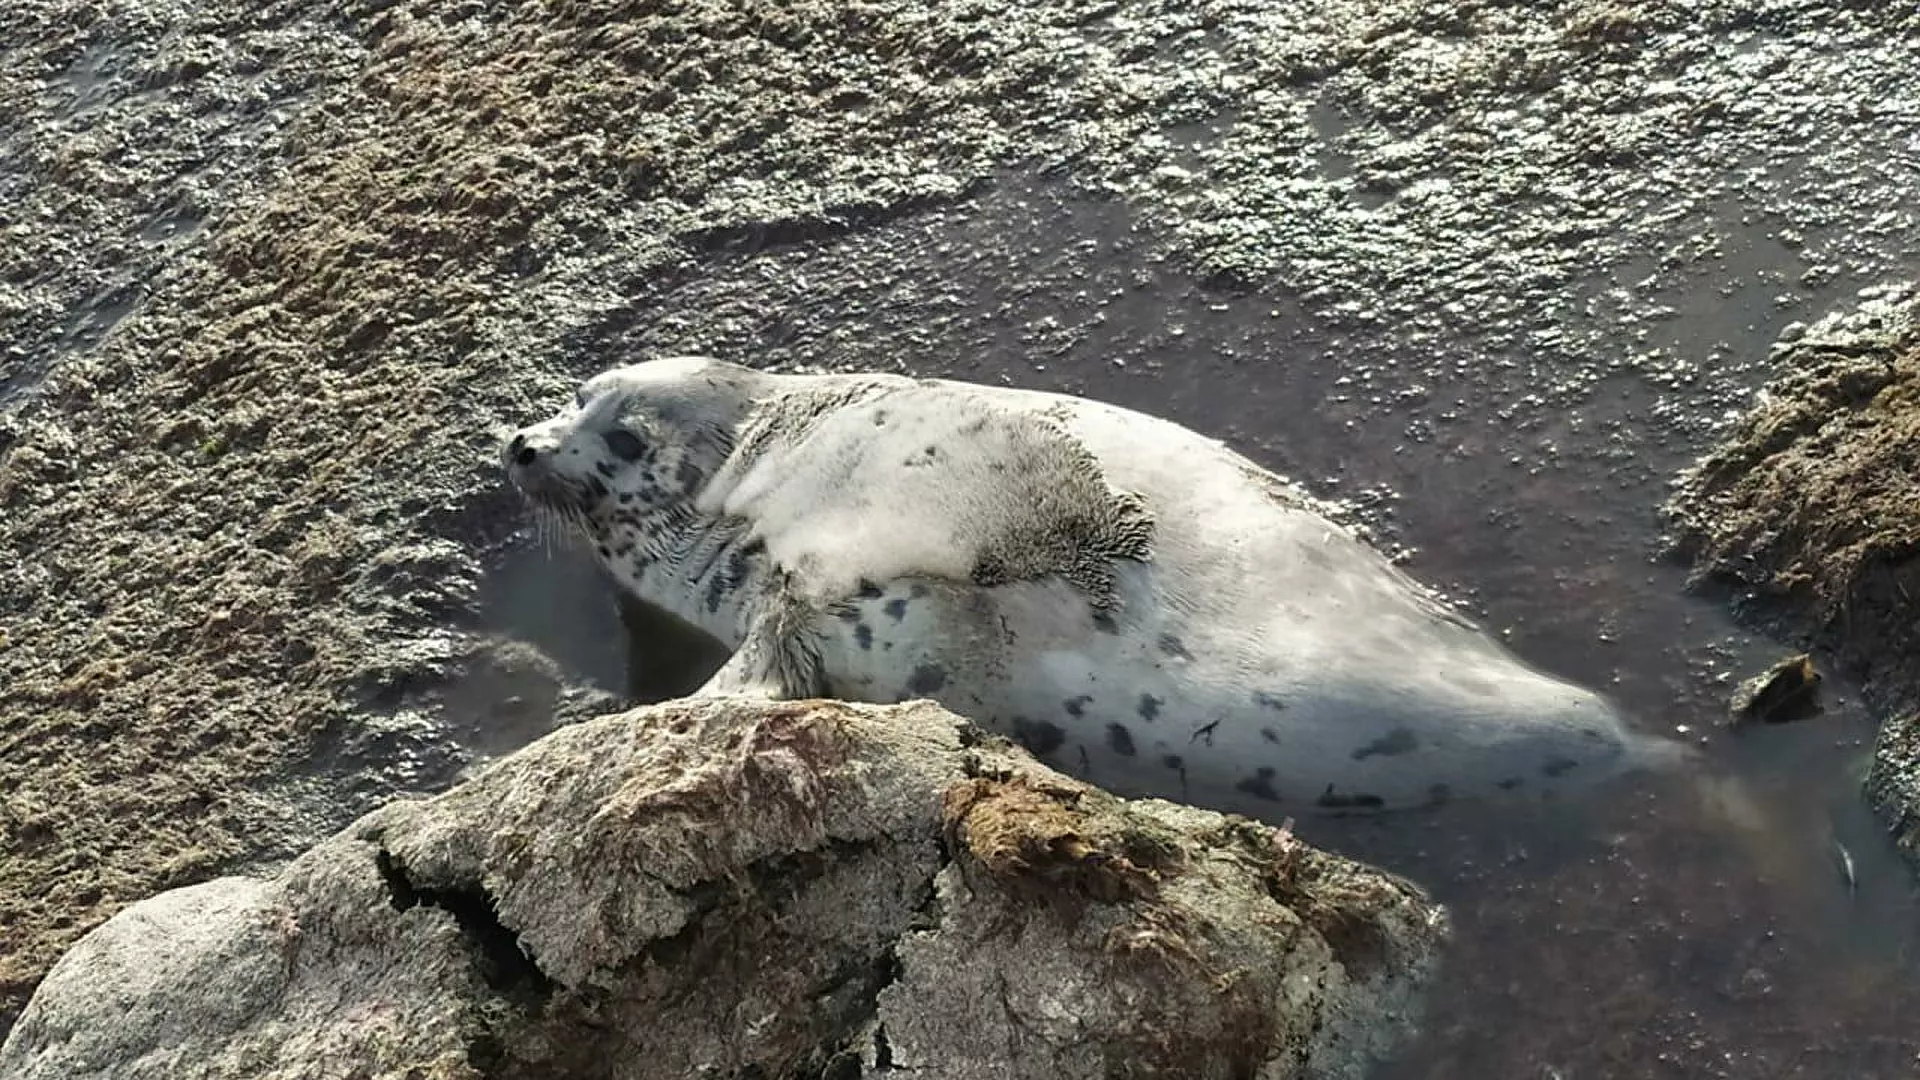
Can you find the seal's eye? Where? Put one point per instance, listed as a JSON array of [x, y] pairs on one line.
[[625, 444]]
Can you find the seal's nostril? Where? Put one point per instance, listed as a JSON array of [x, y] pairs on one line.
[[523, 454]]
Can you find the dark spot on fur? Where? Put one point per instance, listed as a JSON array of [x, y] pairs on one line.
[[1593, 734], [605, 551], [1259, 785], [689, 475], [1174, 761], [1149, 709], [626, 497], [1510, 783], [926, 679], [1104, 623], [1204, 731], [1120, 739], [863, 634], [897, 609], [1329, 800], [1077, 706], [1268, 701], [1559, 767], [869, 591], [1040, 738], [879, 418], [1173, 646], [1394, 743], [738, 567], [1268, 734]]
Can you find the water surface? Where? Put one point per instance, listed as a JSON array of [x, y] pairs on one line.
[[1690, 924]]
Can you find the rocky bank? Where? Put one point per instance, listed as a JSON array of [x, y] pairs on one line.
[[719, 887]]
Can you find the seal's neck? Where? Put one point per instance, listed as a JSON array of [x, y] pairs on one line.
[[703, 569]]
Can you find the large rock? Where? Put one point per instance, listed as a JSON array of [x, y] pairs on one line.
[[1807, 510], [727, 888]]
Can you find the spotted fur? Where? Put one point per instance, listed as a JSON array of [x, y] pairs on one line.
[[1124, 597]]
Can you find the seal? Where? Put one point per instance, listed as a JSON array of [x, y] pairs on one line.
[[1133, 602]]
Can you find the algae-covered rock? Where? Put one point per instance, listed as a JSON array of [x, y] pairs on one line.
[[1893, 781], [728, 888], [1810, 509], [1809, 503]]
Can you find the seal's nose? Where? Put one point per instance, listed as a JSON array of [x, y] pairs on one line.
[[520, 452]]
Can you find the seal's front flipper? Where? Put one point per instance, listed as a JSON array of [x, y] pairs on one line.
[[742, 676], [780, 658]]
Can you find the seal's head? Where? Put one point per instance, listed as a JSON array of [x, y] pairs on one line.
[[637, 441]]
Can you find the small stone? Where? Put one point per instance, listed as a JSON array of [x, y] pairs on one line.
[[1782, 694]]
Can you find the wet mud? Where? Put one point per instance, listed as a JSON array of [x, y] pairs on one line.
[[274, 277]]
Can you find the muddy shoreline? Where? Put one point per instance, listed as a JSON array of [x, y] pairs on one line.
[[274, 277]]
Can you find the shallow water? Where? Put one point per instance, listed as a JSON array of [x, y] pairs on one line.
[[1691, 925], [1695, 923], [556, 598]]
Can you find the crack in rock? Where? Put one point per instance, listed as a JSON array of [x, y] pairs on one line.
[[500, 958]]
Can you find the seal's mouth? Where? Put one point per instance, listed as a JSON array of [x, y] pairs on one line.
[[559, 494], [557, 500], [560, 508]]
